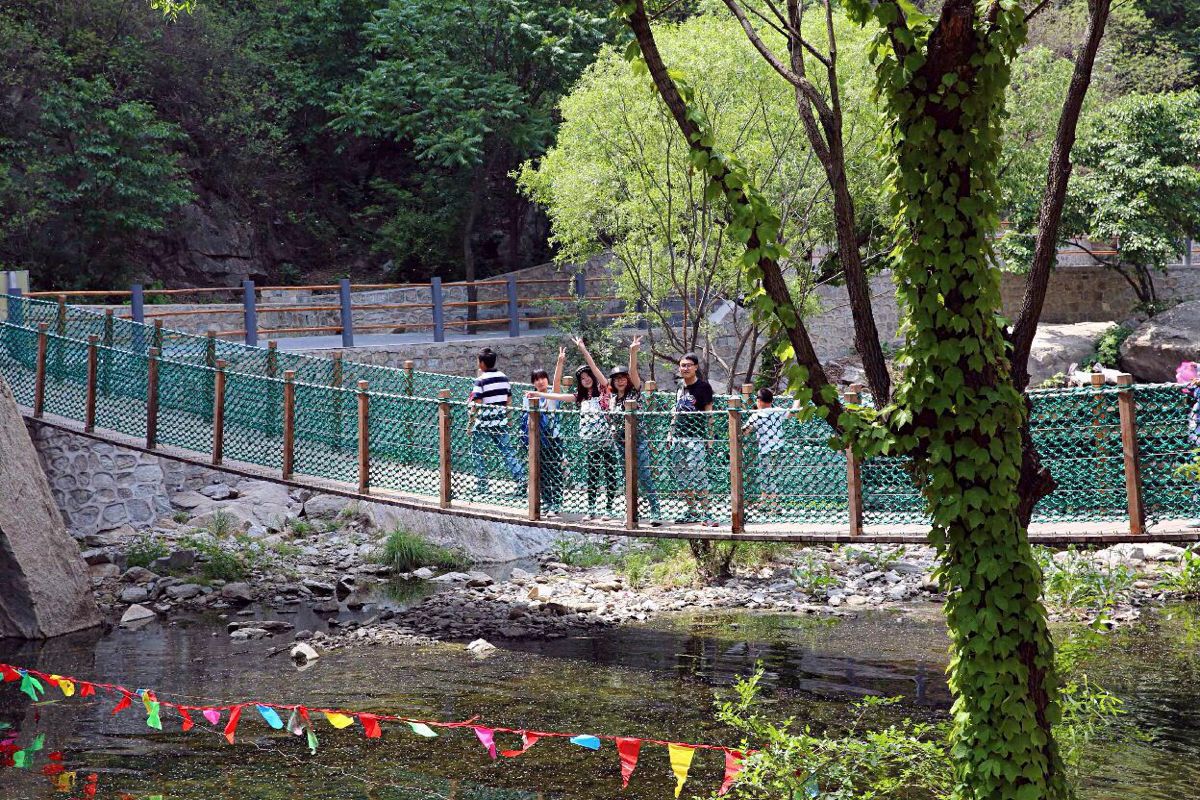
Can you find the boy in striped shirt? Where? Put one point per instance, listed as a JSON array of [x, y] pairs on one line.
[[488, 422]]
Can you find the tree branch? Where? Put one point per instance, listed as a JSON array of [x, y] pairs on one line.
[[1045, 251]]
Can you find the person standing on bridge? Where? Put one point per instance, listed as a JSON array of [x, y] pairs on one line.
[[487, 423], [690, 435], [594, 398], [550, 479], [627, 385]]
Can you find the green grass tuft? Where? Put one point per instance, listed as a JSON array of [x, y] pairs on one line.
[[404, 552]]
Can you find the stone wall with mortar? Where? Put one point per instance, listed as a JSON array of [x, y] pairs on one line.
[[101, 487]]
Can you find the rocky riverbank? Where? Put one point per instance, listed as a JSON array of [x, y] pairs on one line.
[[258, 555]]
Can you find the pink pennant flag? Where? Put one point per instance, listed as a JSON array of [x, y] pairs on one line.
[[733, 765], [231, 726], [628, 749], [527, 741], [487, 737]]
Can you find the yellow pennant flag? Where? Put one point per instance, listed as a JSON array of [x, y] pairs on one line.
[[67, 686], [681, 762], [339, 720]]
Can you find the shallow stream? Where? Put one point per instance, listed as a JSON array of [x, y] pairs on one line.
[[655, 681]]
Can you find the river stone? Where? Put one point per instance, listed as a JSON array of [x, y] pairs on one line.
[[424, 573], [104, 571], [325, 506], [135, 594], [237, 592], [136, 613], [218, 491], [138, 575], [1153, 351], [46, 587], [185, 591]]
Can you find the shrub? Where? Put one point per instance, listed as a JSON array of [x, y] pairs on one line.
[[221, 524], [404, 552], [181, 517], [661, 562], [143, 550], [813, 576], [1186, 579], [1078, 582], [229, 558], [580, 553], [300, 527], [1108, 346]]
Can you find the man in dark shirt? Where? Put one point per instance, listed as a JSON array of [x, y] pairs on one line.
[[689, 436]]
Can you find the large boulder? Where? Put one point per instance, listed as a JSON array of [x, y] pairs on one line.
[[1056, 348], [45, 589], [1154, 350]]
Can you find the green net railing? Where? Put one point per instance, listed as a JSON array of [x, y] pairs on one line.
[[789, 476]]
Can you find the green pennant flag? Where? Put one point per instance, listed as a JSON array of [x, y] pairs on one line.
[[152, 718], [312, 740], [31, 686], [38, 743], [20, 759], [421, 729]]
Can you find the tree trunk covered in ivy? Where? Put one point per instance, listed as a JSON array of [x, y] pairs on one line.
[[957, 411]]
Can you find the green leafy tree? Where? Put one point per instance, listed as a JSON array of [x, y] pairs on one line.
[[957, 411], [1138, 186], [469, 88], [96, 173], [619, 179]]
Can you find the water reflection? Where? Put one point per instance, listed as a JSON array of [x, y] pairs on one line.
[[653, 682]]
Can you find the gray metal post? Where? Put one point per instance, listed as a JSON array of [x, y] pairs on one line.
[[16, 308], [439, 321], [137, 308], [580, 284], [347, 313], [1187, 252], [641, 310], [249, 314], [514, 314]]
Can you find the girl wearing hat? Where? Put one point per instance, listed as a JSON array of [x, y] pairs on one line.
[[627, 385]]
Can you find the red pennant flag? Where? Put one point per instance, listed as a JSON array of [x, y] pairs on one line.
[[89, 789], [628, 749], [733, 765], [87, 690], [234, 714], [187, 718], [9, 673], [370, 724], [528, 740], [126, 701]]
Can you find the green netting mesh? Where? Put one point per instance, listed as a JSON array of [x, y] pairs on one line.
[[790, 476]]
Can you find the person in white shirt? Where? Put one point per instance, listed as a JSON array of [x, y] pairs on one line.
[[769, 426], [550, 479]]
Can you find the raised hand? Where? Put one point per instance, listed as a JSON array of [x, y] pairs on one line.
[[636, 343], [562, 354], [578, 340]]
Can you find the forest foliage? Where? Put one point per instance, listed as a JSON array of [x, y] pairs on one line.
[[382, 138]]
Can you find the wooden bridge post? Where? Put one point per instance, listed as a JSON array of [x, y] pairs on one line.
[[747, 395], [218, 440], [152, 398], [272, 358], [408, 378], [156, 337], [89, 420], [444, 485], [631, 466], [210, 349], [335, 380], [737, 499], [289, 423], [39, 376], [60, 330], [107, 342], [534, 482], [854, 488], [1126, 405], [364, 439]]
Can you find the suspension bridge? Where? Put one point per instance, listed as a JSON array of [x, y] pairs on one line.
[[404, 437]]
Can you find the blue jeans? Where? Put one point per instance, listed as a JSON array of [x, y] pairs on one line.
[[645, 478], [499, 438]]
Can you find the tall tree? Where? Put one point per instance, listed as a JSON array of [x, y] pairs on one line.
[[958, 412], [475, 117]]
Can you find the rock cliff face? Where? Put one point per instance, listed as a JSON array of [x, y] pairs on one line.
[[45, 589]]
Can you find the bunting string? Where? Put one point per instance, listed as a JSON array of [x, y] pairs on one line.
[[300, 723]]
